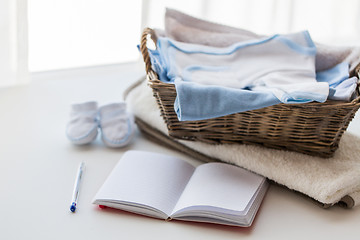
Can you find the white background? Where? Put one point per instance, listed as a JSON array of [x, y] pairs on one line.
[[77, 33]]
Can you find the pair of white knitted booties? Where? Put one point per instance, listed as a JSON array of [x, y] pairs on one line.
[[87, 119]]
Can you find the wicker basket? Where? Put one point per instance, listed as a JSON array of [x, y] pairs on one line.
[[310, 128]]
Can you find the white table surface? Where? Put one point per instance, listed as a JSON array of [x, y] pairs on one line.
[[38, 168]]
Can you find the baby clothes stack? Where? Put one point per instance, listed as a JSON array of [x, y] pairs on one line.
[[251, 71]]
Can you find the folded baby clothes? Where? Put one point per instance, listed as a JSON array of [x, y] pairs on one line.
[[116, 124], [261, 66], [342, 87], [194, 102], [83, 125], [205, 102], [185, 28]]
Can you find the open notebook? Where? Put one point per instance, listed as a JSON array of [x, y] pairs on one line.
[[166, 187]]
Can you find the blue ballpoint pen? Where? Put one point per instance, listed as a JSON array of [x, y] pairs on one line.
[[75, 195]]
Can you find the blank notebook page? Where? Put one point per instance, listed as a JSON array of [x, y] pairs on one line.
[[220, 185], [147, 178]]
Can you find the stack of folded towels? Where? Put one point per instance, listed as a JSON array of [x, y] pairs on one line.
[[219, 70]]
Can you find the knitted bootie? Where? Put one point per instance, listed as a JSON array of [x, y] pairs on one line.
[[117, 126], [83, 125]]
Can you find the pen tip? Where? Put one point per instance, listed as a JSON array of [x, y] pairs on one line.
[[73, 207]]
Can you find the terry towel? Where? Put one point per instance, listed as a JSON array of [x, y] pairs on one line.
[[326, 180]]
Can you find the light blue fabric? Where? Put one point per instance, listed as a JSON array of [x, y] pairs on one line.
[[197, 102], [158, 65], [341, 86], [334, 76], [345, 90]]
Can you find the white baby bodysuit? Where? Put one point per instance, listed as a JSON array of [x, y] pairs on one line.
[[283, 64]]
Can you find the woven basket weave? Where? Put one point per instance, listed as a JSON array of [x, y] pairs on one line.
[[310, 128]]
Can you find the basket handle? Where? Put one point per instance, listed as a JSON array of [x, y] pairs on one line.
[[143, 47]]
